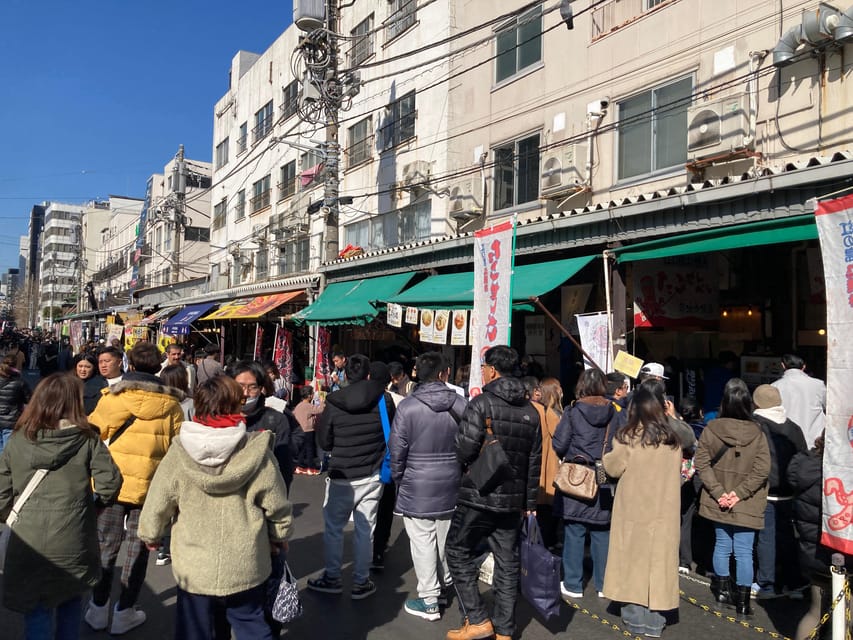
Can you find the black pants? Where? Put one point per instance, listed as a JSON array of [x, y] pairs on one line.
[[384, 519], [468, 529], [308, 452], [199, 617], [689, 498]]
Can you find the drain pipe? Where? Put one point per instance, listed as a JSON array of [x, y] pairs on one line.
[[595, 113], [755, 60]]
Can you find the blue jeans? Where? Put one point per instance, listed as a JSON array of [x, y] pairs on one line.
[[777, 539], [5, 434], [61, 623], [738, 540], [361, 499], [573, 546]]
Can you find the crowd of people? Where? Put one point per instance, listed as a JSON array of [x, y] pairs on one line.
[[121, 442]]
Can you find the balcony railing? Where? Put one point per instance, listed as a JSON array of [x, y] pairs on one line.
[[260, 201], [616, 13]]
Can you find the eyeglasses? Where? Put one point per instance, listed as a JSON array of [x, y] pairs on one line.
[[249, 387]]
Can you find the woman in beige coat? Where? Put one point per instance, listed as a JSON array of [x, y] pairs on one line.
[[642, 564], [549, 408], [733, 462]]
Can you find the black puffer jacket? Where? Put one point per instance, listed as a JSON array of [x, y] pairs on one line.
[[14, 394], [92, 391], [515, 423], [423, 451], [288, 434], [785, 440], [581, 432], [350, 427], [805, 476]]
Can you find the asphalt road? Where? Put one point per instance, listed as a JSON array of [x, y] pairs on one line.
[[381, 617]]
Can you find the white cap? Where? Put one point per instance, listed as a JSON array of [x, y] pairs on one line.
[[653, 369]]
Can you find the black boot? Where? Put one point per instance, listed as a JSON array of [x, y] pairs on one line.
[[721, 590], [743, 606]]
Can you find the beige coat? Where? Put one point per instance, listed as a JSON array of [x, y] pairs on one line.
[[642, 560], [548, 419]]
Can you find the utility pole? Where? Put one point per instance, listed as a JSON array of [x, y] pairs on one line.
[[179, 186], [331, 182]]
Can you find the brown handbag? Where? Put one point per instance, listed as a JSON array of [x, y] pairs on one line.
[[580, 479]]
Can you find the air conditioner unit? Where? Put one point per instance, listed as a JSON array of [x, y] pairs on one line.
[[562, 168], [416, 173], [717, 127], [464, 204]]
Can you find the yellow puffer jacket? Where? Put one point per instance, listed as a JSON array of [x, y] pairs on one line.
[[140, 448]]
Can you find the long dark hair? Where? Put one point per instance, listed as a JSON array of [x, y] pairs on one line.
[[590, 383], [737, 401], [647, 421], [57, 397]]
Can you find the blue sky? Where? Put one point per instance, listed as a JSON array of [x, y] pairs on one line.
[[98, 94]]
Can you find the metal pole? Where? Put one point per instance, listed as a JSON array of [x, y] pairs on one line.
[[333, 150], [839, 614], [536, 301], [609, 305], [178, 213]]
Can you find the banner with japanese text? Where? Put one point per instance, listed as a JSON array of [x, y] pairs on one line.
[[491, 316], [680, 291], [592, 328], [321, 358], [283, 352], [834, 219]]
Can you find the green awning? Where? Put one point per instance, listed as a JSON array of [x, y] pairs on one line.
[[764, 232], [351, 302], [456, 290]]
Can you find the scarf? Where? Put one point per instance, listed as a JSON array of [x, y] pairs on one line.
[[220, 421]]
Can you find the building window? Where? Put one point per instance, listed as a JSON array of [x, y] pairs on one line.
[[219, 215], [167, 240], [240, 205], [242, 139], [651, 4], [519, 45], [392, 229], [261, 264], [222, 154], [399, 123], [653, 129], [293, 257], [403, 16], [360, 142], [362, 38], [290, 100], [287, 180], [263, 122], [261, 194], [517, 172], [310, 174]]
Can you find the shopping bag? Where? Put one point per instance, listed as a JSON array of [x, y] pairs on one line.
[[540, 571], [283, 602]]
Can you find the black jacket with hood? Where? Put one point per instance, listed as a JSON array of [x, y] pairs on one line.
[[580, 436], [14, 394], [351, 429], [515, 423], [285, 428]]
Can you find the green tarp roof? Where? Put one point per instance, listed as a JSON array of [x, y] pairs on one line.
[[764, 232], [351, 302], [456, 290]]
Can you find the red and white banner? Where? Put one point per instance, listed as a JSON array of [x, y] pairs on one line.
[[834, 219], [490, 319], [283, 352], [259, 339], [682, 291], [592, 328], [321, 358]]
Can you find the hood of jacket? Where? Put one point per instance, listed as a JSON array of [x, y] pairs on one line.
[[208, 446], [597, 411], [145, 396], [357, 397], [735, 433], [54, 447], [436, 395], [238, 468], [511, 390]]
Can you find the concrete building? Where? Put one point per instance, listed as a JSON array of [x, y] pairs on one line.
[[111, 229], [59, 265]]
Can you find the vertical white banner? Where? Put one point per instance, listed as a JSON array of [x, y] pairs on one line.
[[490, 318], [834, 220], [592, 328]]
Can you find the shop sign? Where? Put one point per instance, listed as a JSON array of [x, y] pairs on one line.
[[681, 291]]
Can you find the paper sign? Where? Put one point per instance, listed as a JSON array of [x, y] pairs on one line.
[[411, 315], [427, 325], [459, 328], [394, 315], [442, 321], [625, 363]]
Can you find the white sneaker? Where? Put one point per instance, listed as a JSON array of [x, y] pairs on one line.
[[569, 594], [126, 619], [97, 617]]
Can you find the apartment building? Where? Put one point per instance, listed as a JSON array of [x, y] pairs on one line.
[[59, 266], [112, 230]]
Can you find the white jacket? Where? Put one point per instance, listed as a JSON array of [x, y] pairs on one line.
[[804, 399]]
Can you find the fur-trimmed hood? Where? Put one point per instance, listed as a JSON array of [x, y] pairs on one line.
[[145, 396]]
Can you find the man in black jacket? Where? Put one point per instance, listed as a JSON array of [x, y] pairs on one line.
[[496, 516], [351, 428]]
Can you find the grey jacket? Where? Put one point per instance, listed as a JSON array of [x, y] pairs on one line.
[[423, 451]]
